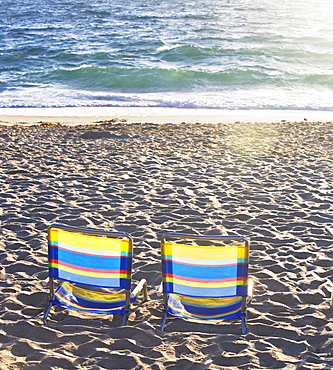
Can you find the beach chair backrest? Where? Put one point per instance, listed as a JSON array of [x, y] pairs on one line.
[[205, 271], [101, 259]]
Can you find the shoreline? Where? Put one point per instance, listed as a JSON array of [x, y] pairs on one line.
[[93, 115]]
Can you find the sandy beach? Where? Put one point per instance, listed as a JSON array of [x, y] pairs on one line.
[[270, 182]]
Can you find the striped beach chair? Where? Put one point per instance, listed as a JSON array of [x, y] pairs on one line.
[[205, 282], [88, 263]]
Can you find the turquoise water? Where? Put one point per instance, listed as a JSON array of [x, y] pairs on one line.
[[236, 54]]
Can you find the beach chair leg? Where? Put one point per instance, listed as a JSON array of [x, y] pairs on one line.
[[244, 324], [47, 311], [145, 292], [164, 320], [124, 322], [332, 298]]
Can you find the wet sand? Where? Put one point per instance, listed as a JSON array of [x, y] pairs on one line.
[[90, 115], [271, 182]]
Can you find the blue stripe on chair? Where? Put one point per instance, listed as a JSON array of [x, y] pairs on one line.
[[78, 259], [243, 270], [126, 263], [201, 292], [202, 272], [241, 290], [166, 267], [89, 280]]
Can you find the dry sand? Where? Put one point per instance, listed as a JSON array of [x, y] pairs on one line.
[[271, 182]]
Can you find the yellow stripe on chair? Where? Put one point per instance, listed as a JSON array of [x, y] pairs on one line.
[[208, 302], [206, 253], [93, 295], [89, 241]]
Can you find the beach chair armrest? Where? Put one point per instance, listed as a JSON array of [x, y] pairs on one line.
[[45, 282], [141, 287], [160, 290], [249, 290]]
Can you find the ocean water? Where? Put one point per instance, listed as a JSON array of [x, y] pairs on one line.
[[227, 54]]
